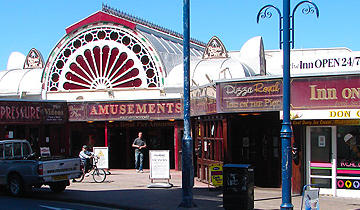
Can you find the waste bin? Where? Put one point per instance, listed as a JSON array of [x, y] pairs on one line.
[[238, 186]]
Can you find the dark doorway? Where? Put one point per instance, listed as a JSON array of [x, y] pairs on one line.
[[255, 139], [90, 134], [158, 135], [118, 144]]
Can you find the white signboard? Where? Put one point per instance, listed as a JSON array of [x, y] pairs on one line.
[[309, 61], [328, 114], [103, 154], [159, 164], [321, 141], [44, 151], [11, 134]]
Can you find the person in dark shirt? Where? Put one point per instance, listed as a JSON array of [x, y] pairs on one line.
[[139, 144]]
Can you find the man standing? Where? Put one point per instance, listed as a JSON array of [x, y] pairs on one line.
[[139, 145]]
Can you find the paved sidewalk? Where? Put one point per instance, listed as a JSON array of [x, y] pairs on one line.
[[126, 189]]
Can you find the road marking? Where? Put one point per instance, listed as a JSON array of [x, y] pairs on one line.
[[53, 208]]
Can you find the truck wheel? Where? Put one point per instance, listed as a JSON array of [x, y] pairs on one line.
[[15, 185], [58, 187]]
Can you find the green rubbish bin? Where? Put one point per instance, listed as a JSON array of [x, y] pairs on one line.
[[238, 186]]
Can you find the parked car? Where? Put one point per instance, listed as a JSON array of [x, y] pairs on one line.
[[21, 169]]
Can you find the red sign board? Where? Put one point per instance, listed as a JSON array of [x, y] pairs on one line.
[[325, 92], [203, 106], [125, 110], [249, 96], [54, 112], [32, 112]]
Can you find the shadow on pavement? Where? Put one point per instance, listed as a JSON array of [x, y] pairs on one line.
[[131, 198]]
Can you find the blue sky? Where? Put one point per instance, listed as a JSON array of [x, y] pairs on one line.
[[41, 24]]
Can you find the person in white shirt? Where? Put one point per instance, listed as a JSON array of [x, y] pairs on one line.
[[85, 157]]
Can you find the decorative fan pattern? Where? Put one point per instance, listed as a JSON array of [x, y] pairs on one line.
[[102, 58], [102, 69]]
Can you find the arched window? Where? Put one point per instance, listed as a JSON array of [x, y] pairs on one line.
[[103, 57]]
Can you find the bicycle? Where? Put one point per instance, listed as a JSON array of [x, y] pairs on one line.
[[98, 174]]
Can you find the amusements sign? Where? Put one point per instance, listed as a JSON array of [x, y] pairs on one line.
[[159, 164], [338, 92], [126, 110], [250, 96]]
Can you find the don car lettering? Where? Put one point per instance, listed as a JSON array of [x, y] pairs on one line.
[[340, 113], [344, 114]]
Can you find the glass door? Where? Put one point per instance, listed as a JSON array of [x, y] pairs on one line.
[[320, 157]]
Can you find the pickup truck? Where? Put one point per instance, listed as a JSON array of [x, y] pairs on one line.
[[20, 169]]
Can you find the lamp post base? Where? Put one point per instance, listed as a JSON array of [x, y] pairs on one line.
[[286, 206]]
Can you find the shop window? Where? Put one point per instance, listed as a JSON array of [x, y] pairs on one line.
[[323, 183], [348, 143], [348, 153]]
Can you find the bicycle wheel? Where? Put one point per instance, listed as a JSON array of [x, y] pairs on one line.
[[80, 178], [99, 175]]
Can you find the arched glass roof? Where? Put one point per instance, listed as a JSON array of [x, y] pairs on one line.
[[20, 82]]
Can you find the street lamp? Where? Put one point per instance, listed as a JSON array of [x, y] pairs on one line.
[[187, 143], [286, 132]]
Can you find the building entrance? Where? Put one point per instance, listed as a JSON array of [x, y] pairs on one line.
[[119, 136], [157, 135], [254, 139]]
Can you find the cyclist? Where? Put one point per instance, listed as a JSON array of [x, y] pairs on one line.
[[85, 157]]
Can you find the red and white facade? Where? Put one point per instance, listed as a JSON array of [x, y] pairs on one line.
[[112, 75]]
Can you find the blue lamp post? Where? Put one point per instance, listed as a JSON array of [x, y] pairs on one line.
[[286, 28], [187, 143]]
